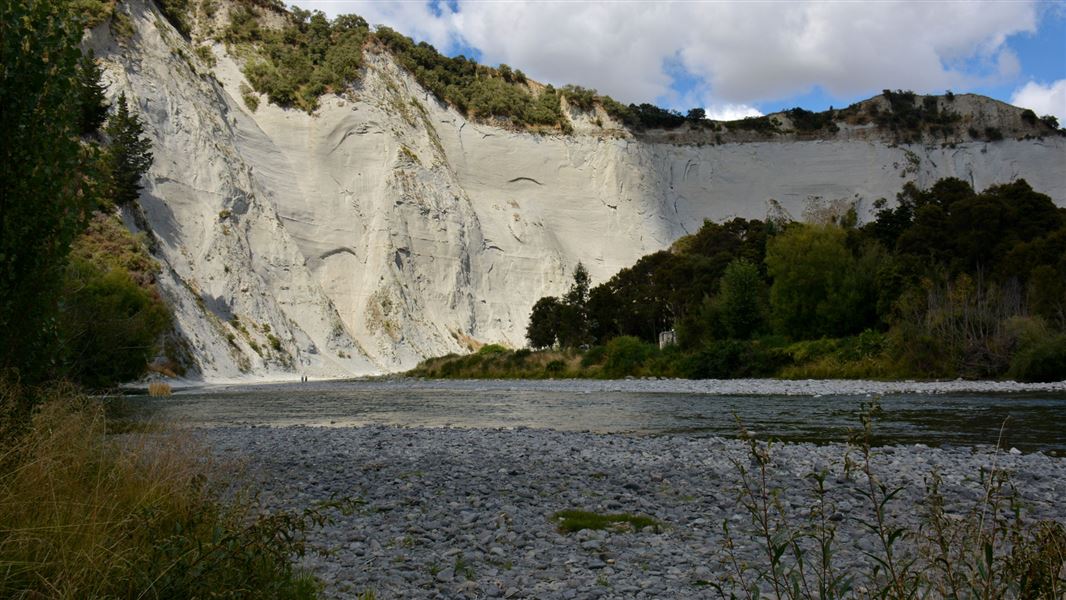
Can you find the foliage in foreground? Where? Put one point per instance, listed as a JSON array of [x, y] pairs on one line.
[[111, 314], [86, 515], [990, 549]]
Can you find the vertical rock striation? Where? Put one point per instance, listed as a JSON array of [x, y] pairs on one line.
[[386, 228]]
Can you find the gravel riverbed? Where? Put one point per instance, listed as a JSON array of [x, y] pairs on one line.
[[466, 513]]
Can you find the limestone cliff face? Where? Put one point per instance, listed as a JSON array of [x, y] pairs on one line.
[[387, 228]]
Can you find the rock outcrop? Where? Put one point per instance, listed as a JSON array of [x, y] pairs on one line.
[[386, 227]]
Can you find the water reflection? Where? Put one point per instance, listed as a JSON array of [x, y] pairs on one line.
[[1033, 421]]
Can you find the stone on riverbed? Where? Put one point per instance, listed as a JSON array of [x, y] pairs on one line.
[[459, 513]]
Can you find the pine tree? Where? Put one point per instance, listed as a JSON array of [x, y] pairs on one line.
[[130, 154], [573, 315], [91, 96]]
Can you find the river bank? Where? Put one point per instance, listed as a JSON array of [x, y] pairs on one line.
[[725, 387], [454, 513]]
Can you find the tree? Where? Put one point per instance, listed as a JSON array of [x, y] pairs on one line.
[[696, 114], [91, 96], [42, 200], [573, 317], [741, 299], [130, 154], [579, 289], [818, 286], [543, 327]]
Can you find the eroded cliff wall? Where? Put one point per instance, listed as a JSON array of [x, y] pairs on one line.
[[386, 228]]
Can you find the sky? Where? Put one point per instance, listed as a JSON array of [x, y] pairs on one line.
[[739, 59]]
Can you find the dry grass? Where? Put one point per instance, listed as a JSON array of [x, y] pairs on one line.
[[158, 388], [73, 503], [989, 551], [87, 515]]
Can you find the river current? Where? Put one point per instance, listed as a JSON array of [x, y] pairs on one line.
[[822, 412]]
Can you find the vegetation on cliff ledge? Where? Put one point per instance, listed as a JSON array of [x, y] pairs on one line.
[[294, 56]]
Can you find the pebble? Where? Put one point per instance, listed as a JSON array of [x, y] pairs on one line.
[[466, 513]]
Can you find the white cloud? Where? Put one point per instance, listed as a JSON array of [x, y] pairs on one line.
[[739, 53], [1043, 99], [413, 19], [731, 112]]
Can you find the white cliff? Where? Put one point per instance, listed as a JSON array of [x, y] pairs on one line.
[[386, 228]]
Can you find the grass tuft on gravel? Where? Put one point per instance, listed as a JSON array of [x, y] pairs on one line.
[[571, 520]]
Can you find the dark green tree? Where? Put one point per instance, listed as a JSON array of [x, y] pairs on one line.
[[42, 201], [632, 302], [1047, 294], [818, 287], [579, 290], [742, 299], [129, 153], [91, 97], [702, 324], [573, 319], [543, 328]]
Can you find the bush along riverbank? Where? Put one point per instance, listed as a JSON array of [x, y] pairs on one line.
[[858, 357]]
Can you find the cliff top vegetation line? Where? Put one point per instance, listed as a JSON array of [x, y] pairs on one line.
[[294, 56]]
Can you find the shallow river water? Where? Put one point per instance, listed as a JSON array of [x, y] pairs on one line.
[[818, 412]]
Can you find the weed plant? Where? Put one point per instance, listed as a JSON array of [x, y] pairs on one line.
[[990, 550]]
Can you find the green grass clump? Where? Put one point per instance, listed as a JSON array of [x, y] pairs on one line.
[[492, 350], [251, 100], [571, 520]]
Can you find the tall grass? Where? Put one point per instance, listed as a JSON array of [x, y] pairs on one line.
[[990, 550], [87, 515]]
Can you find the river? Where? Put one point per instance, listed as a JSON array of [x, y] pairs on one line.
[[826, 412]]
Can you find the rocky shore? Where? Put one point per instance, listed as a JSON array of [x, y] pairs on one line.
[[467, 513]]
